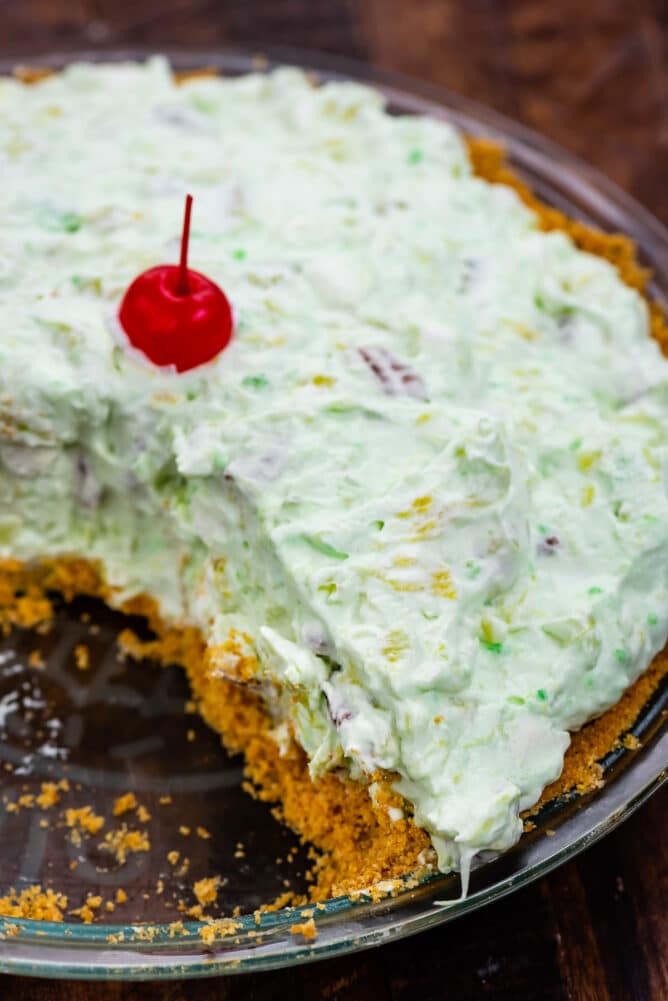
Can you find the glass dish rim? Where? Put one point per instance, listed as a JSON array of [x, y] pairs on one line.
[[52, 949]]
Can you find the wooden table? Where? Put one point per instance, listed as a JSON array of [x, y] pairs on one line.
[[592, 74]]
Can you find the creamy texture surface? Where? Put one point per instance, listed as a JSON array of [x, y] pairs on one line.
[[428, 477]]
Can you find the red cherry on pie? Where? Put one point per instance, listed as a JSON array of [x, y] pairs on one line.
[[176, 316]]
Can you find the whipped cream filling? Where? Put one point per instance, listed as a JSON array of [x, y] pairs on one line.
[[428, 475]]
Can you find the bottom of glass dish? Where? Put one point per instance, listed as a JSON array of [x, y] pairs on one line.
[[107, 728]]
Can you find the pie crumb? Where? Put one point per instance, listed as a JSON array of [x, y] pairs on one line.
[[82, 657], [83, 819], [34, 903], [122, 842], [124, 804], [206, 890], [306, 929]]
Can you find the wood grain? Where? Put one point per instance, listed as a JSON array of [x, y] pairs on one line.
[[594, 76]]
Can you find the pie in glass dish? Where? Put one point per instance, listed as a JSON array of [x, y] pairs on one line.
[[407, 532]]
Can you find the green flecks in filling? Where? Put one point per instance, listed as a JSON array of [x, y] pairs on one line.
[[575, 444], [87, 284], [204, 104], [255, 381], [378, 525], [239, 254], [516, 700], [541, 694], [473, 568], [621, 655], [595, 590], [324, 547], [561, 312], [340, 408], [169, 478], [61, 222], [415, 156], [652, 619], [620, 511], [492, 647], [70, 222]]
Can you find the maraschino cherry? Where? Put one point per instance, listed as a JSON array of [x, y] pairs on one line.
[[176, 316]]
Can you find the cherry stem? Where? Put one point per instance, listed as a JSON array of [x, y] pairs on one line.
[[183, 285]]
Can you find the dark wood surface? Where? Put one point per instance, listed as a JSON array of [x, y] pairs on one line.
[[592, 74]]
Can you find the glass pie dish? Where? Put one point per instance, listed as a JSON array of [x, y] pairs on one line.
[[125, 727]]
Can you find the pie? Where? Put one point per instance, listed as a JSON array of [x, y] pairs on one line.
[[408, 531]]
